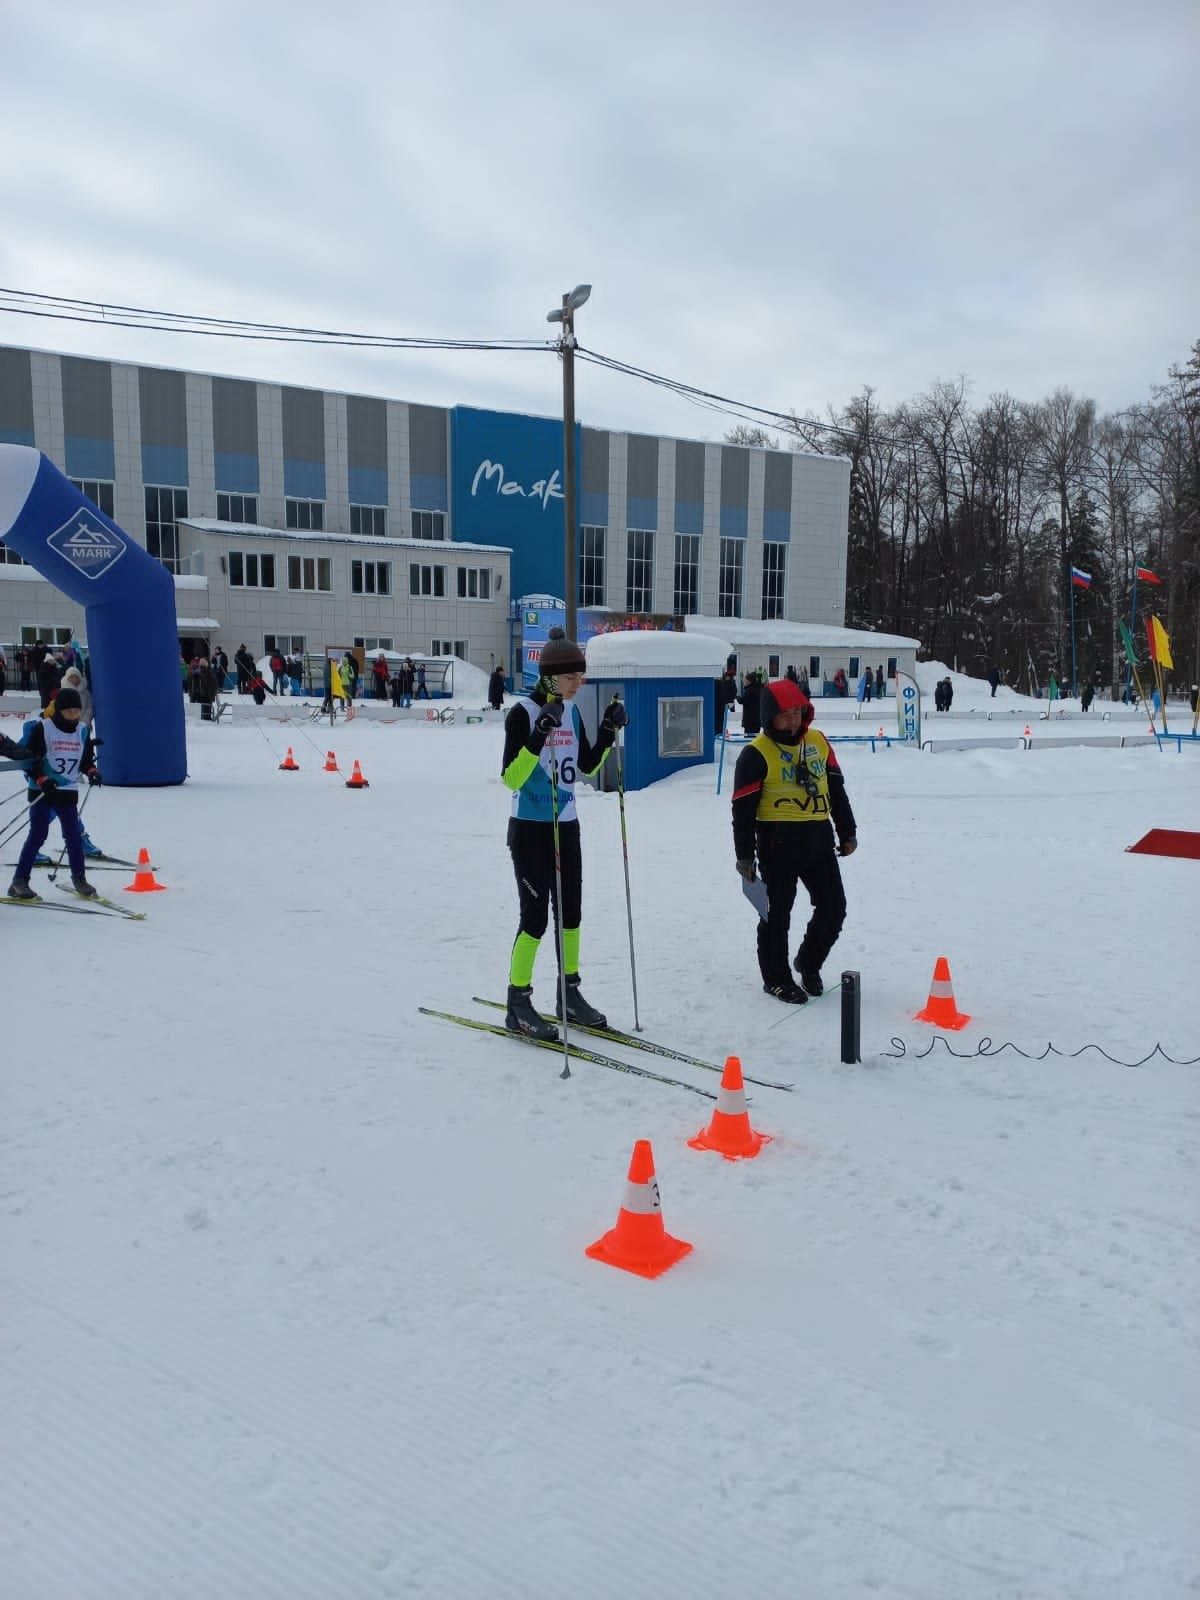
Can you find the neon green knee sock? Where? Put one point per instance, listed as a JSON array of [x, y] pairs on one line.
[[571, 950], [524, 954]]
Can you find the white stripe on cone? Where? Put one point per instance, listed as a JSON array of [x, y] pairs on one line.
[[642, 1199]]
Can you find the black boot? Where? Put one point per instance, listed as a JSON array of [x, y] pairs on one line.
[[787, 991], [809, 976], [19, 889], [522, 1018], [81, 886], [578, 1010]]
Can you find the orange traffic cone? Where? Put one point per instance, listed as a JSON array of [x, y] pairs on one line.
[[144, 881], [941, 1009], [356, 779], [289, 762], [729, 1133], [330, 762], [639, 1242]]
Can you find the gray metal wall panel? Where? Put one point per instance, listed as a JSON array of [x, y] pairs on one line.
[[162, 397], [87, 398], [642, 467], [594, 466], [777, 487], [235, 416], [735, 475], [16, 392], [366, 425], [689, 471], [427, 441], [303, 425]]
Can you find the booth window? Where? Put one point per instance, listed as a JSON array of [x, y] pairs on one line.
[[687, 574], [681, 728]]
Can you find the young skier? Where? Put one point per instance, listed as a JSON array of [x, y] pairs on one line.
[[787, 787], [545, 746], [58, 748]]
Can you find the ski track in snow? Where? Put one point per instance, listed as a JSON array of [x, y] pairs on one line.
[[293, 1294]]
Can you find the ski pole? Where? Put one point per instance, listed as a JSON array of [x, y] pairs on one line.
[[637, 1021], [558, 915], [17, 823]]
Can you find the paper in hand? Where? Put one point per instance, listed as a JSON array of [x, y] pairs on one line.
[[755, 891]]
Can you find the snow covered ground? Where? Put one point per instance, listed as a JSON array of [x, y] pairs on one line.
[[294, 1300]]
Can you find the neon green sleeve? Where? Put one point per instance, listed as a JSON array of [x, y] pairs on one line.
[[519, 770]]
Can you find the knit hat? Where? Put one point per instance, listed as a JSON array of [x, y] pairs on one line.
[[781, 694], [560, 654], [67, 698]]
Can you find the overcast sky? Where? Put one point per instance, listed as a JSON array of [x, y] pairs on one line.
[[781, 202]]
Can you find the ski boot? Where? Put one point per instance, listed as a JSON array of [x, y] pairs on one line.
[[82, 887], [43, 860], [578, 1010], [522, 1018], [19, 889], [787, 991], [91, 849]]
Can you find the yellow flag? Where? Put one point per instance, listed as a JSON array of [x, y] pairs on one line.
[[335, 681], [1160, 645]]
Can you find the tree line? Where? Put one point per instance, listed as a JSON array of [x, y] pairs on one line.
[[965, 523]]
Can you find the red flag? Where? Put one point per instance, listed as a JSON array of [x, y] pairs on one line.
[[1144, 575]]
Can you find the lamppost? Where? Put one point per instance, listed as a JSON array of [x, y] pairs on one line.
[[566, 349]]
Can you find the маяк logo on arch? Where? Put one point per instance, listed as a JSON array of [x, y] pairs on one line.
[[87, 544]]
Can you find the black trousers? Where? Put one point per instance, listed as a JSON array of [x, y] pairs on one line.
[[790, 853], [531, 845]]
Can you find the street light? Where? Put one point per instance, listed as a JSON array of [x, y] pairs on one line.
[[566, 348]]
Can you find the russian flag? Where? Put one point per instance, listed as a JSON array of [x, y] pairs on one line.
[[1081, 580]]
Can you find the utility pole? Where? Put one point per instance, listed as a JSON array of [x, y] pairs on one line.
[[566, 349]]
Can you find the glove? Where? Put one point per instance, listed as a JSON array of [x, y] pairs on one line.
[[848, 846], [46, 784], [615, 716], [93, 776], [550, 718], [746, 869]]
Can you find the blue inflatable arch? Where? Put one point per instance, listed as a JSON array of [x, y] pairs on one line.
[[129, 599]]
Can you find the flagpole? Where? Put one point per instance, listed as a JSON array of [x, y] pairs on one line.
[[1071, 586], [1133, 619]]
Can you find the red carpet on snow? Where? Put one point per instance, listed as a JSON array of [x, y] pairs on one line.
[[1167, 842]]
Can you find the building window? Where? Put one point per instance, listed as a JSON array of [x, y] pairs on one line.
[[427, 583], [855, 668], [729, 589], [591, 566], [98, 491], [774, 579], [474, 583], [373, 641], [312, 573], [288, 644], [237, 508], [814, 668], [429, 524], [164, 507], [370, 577], [686, 601], [248, 570], [369, 520], [306, 515], [40, 633], [450, 647], [639, 569], [10, 557], [772, 666]]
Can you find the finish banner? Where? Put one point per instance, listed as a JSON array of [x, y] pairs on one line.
[[908, 708]]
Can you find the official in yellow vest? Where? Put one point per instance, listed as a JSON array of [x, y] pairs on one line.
[[789, 799]]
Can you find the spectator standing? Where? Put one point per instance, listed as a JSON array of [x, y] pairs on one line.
[[380, 676], [48, 679], [243, 663], [879, 682], [422, 686], [406, 679], [724, 694], [994, 680], [3, 670], [751, 697], [496, 689], [787, 786], [278, 670]]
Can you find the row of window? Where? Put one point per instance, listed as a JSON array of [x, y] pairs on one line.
[[250, 569], [685, 593], [295, 644]]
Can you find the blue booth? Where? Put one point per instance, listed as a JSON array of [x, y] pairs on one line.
[[667, 681]]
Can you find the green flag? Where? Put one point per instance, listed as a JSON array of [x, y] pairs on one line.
[[1127, 641]]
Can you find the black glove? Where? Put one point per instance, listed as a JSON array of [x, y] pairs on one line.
[[93, 776], [550, 718], [46, 784], [746, 869], [8, 748], [848, 846], [615, 716]]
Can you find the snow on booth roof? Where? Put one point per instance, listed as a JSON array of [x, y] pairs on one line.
[[655, 653]]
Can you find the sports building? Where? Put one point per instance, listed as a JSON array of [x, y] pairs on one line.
[[307, 519]]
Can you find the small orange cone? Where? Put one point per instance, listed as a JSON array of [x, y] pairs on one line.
[[639, 1242], [144, 881], [941, 1009], [289, 762], [330, 762], [356, 779], [729, 1133]]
